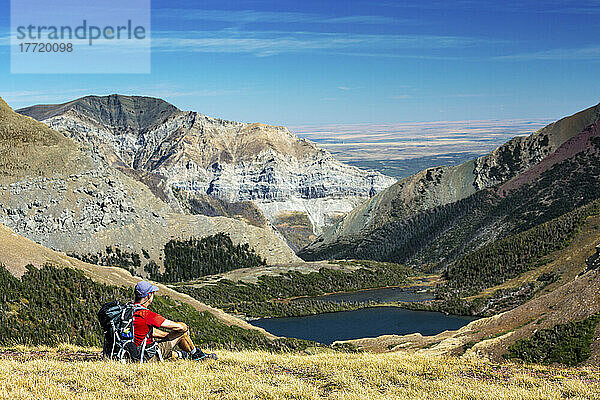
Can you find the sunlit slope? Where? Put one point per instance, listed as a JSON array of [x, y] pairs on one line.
[[30, 149], [260, 375], [16, 252]]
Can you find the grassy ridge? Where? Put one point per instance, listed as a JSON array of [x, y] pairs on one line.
[[30, 149], [262, 375], [55, 305]]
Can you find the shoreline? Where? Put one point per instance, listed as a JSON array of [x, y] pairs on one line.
[[428, 282]]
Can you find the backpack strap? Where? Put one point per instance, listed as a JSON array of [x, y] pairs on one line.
[[114, 339], [136, 308]]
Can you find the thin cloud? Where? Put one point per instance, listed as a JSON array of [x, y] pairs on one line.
[[405, 56], [573, 7], [365, 19], [22, 98], [39, 95], [514, 6], [254, 16], [191, 93], [268, 43], [574, 54], [464, 95]]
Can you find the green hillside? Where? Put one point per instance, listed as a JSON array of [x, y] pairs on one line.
[[435, 238], [50, 306]]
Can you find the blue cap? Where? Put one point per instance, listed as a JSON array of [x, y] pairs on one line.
[[143, 289]]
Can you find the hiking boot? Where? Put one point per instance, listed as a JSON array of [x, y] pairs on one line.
[[200, 355], [184, 355]]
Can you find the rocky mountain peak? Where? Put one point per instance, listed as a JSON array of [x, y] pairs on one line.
[[210, 140], [64, 195], [119, 113], [232, 161]]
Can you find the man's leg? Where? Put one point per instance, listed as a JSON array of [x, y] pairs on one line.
[[184, 342], [166, 351], [181, 339]]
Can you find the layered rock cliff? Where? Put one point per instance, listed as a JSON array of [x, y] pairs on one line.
[[66, 197], [232, 161]]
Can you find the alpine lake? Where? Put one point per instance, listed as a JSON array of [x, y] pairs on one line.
[[366, 322]]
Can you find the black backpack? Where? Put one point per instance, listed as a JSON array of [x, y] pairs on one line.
[[116, 320]]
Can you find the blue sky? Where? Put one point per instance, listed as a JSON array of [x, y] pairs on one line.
[[355, 61]]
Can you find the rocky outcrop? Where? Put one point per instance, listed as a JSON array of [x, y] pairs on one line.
[[594, 261], [202, 204], [85, 207], [89, 212], [232, 161]]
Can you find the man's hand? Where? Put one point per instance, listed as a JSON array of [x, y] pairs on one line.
[[174, 326]]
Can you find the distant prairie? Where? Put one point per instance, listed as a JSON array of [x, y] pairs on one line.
[[402, 149]]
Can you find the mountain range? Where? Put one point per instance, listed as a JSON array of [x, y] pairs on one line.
[[437, 215], [62, 194], [515, 234], [202, 165]]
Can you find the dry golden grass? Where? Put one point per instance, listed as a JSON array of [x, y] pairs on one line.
[[29, 148], [261, 375]]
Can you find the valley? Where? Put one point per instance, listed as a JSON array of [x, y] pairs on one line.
[[264, 241], [270, 295], [276, 200]]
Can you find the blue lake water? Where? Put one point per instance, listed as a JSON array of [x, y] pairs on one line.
[[380, 295], [366, 322]]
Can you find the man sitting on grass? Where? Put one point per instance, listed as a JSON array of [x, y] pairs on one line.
[[148, 325]]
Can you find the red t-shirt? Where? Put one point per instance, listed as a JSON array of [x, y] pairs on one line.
[[143, 320]]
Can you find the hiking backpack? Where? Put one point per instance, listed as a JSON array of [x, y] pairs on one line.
[[116, 320]]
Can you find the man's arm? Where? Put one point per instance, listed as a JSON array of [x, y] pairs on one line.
[[174, 326], [171, 326]]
